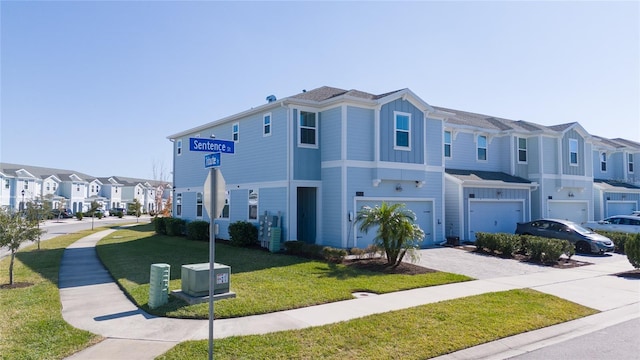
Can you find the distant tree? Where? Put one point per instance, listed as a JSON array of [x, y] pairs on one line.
[[92, 211], [396, 233], [14, 230], [136, 206], [36, 213], [161, 178], [166, 211]]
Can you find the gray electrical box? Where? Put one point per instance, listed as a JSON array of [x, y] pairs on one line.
[[159, 285], [195, 279]]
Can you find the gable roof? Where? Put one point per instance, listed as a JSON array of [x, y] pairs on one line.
[[615, 185], [491, 123], [478, 175]]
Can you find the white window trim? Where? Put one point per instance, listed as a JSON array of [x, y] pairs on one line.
[[571, 163], [179, 147], [179, 205], [526, 151], [486, 148], [395, 131], [200, 204], [235, 132], [630, 165], [300, 127], [603, 160], [264, 125], [227, 202], [249, 204], [450, 143]]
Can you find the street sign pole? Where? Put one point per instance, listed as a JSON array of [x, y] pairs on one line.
[[212, 253]]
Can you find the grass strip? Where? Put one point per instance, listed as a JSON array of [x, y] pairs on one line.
[[31, 323], [416, 333], [264, 282]]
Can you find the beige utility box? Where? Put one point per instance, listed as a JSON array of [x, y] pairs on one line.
[[195, 279]]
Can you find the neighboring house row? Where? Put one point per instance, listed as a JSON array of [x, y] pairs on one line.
[[316, 158], [22, 184]]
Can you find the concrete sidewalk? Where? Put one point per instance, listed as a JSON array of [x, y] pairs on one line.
[[92, 301]]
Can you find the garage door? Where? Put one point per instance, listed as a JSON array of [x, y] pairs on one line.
[[620, 208], [576, 211], [494, 217], [424, 215]]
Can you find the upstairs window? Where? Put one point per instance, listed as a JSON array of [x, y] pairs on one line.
[[179, 204], [26, 185], [481, 148], [7, 184], [573, 152], [236, 132], [199, 204], [307, 129], [402, 140], [48, 186], [55, 186], [630, 162], [603, 162], [179, 147], [447, 144], [522, 150], [266, 124]]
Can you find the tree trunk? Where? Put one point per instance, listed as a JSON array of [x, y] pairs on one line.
[[13, 256]]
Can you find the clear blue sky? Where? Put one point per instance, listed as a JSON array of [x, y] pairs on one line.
[[98, 86]]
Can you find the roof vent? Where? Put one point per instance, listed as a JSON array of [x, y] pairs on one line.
[[271, 98]]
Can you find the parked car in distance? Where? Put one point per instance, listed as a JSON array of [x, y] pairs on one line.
[[115, 211], [65, 214], [585, 240], [621, 223]]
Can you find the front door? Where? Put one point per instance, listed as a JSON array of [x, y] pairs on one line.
[[307, 214]]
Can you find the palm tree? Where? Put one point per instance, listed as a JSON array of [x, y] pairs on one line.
[[397, 232]]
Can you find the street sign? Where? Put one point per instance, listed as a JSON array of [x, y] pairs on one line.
[[211, 160], [211, 145]]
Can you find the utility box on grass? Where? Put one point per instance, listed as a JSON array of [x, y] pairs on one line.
[[195, 279], [159, 285]]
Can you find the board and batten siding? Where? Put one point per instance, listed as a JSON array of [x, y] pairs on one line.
[[550, 154], [452, 208], [306, 160], [387, 133], [331, 130], [434, 142], [567, 168], [333, 219], [360, 134]]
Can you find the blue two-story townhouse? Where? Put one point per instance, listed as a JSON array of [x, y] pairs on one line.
[[616, 186], [315, 159]]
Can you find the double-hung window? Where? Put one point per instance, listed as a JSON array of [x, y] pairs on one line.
[[481, 148], [402, 130], [179, 204], [603, 161], [447, 144], [573, 152], [266, 125], [199, 204], [225, 209], [630, 162], [179, 147], [236, 132], [522, 150], [308, 129], [253, 205]]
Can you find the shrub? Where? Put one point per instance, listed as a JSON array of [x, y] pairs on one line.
[[333, 255], [120, 214], [632, 249], [302, 249], [99, 215], [159, 225], [618, 238], [357, 252], [174, 226], [507, 244], [79, 215], [243, 233], [198, 230]]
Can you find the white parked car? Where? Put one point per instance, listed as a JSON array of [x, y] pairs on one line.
[[620, 223]]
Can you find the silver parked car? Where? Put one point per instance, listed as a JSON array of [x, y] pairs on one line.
[[585, 240], [620, 223]]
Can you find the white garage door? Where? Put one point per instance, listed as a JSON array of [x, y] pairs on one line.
[[494, 217], [424, 215], [576, 211], [620, 208]]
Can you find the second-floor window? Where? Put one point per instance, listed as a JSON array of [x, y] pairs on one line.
[[179, 204], [7, 184], [573, 151], [55, 186], [26, 185], [179, 147], [630, 163], [402, 140], [48, 186], [236, 132], [522, 150], [447, 144], [307, 129], [482, 148], [603, 162], [199, 204], [266, 124]]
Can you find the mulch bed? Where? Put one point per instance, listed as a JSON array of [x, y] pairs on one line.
[[380, 265], [15, 285]]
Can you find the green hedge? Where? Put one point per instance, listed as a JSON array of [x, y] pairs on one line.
[[174, 226], [303, 249], [243, 234], [198, 230], [619, 239], [632, 248], [537, 249], [159, 225]]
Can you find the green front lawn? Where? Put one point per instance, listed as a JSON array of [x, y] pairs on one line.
[[416, 333], [264, 282], [31, 324]]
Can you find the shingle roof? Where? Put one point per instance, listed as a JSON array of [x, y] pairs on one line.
[[486, 175], [42, 172], [628, 143], [616, 184], [562, 127], [326, 92]]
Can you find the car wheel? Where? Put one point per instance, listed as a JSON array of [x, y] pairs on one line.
[[583, 247]]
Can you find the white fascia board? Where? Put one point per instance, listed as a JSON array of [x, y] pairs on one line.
[[53, 177], [449, 177], [496, 184], [577, 127], [22, 173], [407, 94], [475, 129]]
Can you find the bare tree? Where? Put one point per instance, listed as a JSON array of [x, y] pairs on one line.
[[161, 177]]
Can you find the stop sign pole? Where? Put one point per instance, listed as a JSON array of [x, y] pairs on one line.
[[212, 254]]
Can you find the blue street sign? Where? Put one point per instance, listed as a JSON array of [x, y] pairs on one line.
[[211, 145], [212, 160]]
